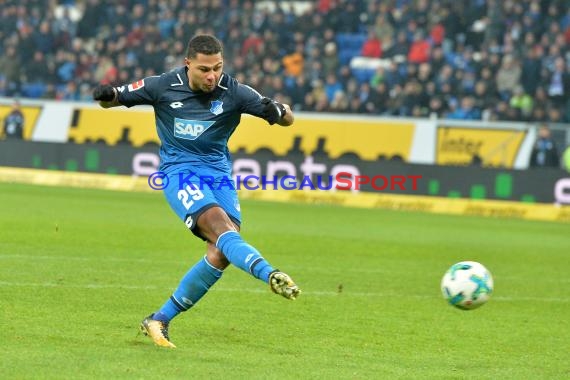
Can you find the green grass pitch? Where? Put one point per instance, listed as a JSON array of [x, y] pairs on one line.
[[80, 269]]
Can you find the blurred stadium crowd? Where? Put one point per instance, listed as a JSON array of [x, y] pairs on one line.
[[460, 59]]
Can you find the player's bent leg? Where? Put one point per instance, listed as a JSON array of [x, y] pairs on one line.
[[215, 225]]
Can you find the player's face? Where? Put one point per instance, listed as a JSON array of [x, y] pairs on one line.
[[204, 71]]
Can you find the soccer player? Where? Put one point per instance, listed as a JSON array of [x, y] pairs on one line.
[[197, 108]]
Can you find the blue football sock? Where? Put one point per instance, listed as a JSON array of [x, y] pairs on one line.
[[243, 255], [195, 283]]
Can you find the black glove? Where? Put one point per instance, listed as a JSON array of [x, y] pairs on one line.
[[272, 111], [104, 93]]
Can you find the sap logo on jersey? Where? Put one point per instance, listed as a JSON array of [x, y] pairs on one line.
[[190, 129]]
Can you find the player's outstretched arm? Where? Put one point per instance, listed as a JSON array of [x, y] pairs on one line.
[[106, 95], [277, 113]]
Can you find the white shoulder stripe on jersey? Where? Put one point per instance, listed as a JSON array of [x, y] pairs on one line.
[[179, 83], [220, 81]]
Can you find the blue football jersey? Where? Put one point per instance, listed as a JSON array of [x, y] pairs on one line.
[[193, 127]]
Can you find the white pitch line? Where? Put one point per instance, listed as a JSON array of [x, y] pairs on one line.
[[557, 280], [149, 261], [305, 293], [76, 258]]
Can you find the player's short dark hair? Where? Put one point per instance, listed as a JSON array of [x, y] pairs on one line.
[[203, 44]]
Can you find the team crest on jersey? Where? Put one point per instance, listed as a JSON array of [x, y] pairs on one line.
[[190, 129], [216, 107]]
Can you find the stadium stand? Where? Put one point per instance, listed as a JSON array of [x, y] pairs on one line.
[[487, 50]]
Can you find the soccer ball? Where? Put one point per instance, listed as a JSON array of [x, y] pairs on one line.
[[467, 285]]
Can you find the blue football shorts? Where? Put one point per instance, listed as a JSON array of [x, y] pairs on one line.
[[190, 192]]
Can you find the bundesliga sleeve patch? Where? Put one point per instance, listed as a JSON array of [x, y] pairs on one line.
[[136, 85]]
